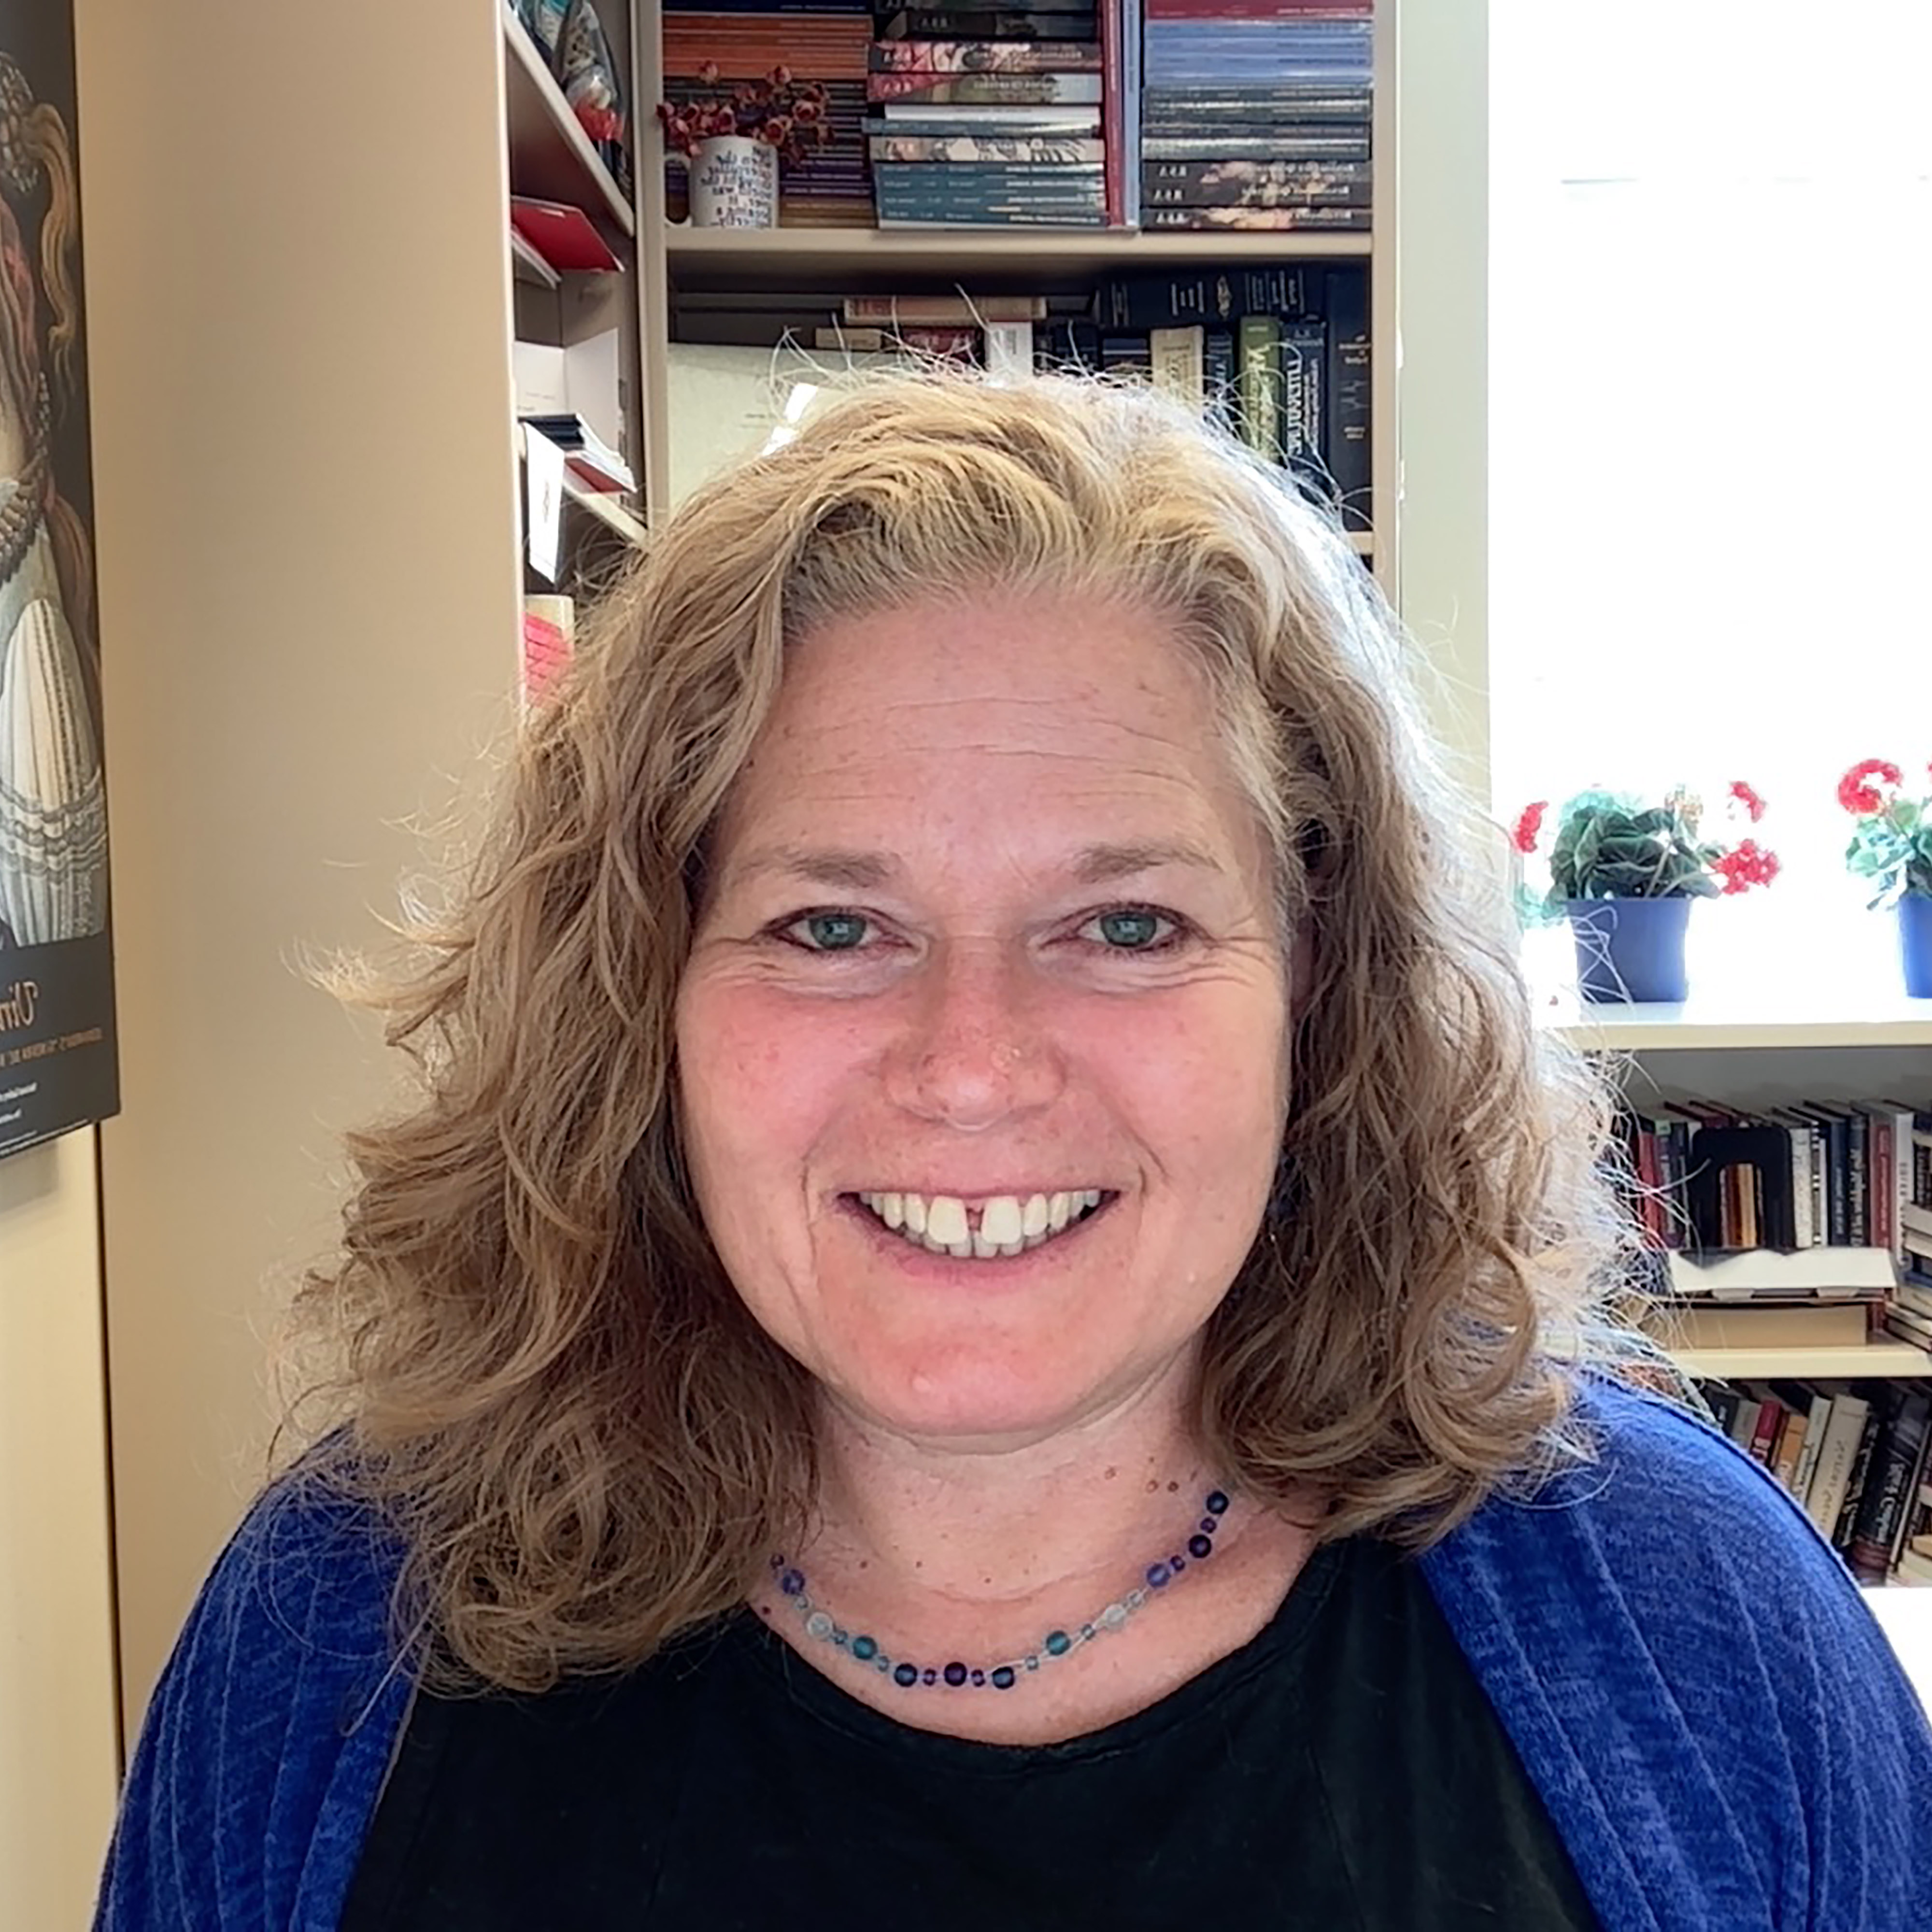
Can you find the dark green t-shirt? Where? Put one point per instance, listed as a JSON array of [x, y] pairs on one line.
[[1342, 1772]]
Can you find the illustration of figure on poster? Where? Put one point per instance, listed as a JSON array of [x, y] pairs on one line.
[[53, 817]]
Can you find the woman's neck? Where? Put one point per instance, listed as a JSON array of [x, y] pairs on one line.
[[949, 1535]]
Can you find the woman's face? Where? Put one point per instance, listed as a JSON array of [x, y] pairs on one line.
[[991, 933]]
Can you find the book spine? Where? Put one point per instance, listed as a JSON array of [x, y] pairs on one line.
[[1801, 1186], [1791, 1449], [980, 24], [953, 57], [985, 90], [944, 149], [1889, 1488], [1857, 1137], [1008, 350], [1875, 1424], [1770, 1425], [1179, 357], [1258, 343], [1113, 113], [1304, 351], [1817, 1421], [1217, 373], [1350, 455], [1355, 220], [893, 311], [1825, 1498], [1267, 144]]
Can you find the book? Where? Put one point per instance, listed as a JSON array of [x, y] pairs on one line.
[[942, 148], [980, 23], [1844, 1431], [1261, 143], [1008, 350], [983, 57], [1258, 351], [1179, 359], [1344, 303], [1891, 1487], [1861, 1467], [1160, 299], [1817, 1419], [1356, 220], [900, 117], [564, 236], [891, 311], [976, 90], [1217, 376], [1302, 437], [1819, 1325]]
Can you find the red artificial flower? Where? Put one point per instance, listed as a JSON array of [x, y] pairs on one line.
[[1857, 793], [707, 72], [1748, 798], [1529, 826], [777, 131], [1747, 864]]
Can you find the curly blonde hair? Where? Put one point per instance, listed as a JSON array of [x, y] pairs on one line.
[[587, 1444]]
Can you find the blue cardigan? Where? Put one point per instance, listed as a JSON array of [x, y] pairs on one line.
[[1717, 1727]]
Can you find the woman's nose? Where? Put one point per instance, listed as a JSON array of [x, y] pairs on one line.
[[976, 1051]]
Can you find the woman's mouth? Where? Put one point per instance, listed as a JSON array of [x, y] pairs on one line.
[[983, 1227]]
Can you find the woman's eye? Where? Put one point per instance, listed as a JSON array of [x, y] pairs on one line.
[[828, 931], [1134, 929]]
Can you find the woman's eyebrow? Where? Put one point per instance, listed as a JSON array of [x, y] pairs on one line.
[[858, 870]]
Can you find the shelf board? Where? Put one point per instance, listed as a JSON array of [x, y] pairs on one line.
[[528, 266], [750, 257], [605, 507], [550, 155], [1872, 1358], [1714, 1022]]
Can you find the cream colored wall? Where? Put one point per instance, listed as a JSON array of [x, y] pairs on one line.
[[299, 294], [1442, 295], [58, 1726]]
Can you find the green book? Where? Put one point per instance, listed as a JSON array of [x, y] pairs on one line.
[[1258, 352]]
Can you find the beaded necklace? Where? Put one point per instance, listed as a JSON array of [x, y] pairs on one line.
[[822, 1628]]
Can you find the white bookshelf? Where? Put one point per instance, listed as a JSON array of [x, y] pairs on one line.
[[550, 155], [848, 261], [747, 258], [1728, 1020], [1873, 1359]]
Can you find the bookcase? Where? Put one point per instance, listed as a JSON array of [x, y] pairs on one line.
[[675, 259], [1765, 1051]]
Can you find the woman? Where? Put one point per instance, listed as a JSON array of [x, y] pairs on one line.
[[982, 1186]]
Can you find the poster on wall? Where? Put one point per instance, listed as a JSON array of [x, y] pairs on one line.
[[59, 1066]]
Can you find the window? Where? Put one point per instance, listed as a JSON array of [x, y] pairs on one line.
[[1710, 417]]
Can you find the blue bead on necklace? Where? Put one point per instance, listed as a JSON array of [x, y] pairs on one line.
[[867, 1650]]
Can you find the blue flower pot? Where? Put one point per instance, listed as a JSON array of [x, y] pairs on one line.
[[1914, 944], [1630, 949]]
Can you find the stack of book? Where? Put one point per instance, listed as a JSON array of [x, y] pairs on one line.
[[817, 40], [1854, 1455], [1279, 355], [1256, 114], [991, 117], [1851, 1174]]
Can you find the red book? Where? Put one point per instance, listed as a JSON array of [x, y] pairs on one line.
[[1770, 1417], [1113, 119], [564, 236]]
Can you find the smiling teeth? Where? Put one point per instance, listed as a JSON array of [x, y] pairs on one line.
[[1007, 1224]]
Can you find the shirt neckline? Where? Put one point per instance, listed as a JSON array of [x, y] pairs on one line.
[[823, 1699]]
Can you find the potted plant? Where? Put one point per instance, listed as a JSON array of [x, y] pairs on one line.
[[736, 139], [1623, 873], [1891, 849]]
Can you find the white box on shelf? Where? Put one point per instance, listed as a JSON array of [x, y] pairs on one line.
[[579, 379], [1821, 1273]]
